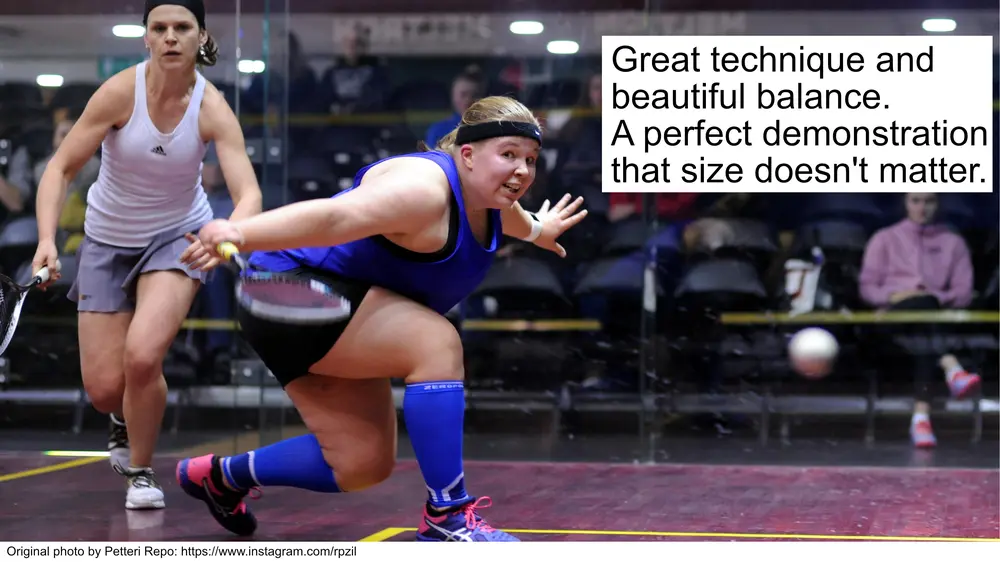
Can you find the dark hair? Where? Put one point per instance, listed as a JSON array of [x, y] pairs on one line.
[[208, 54], [473, 74]]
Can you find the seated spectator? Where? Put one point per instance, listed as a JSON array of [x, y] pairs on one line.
[[75, 207], [918, 264], [16, 186], [582, 136], [296, 81], [465, 90], [357, 82], [670, 207]]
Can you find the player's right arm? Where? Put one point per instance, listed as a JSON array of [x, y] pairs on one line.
[[110, 106], [408, 197]]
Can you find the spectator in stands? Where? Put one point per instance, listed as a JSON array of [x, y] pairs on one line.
[[582, 137], [298, 82], [578, 169], [299, 79], [918, 264], [16, 187], [75, 208], [669, 206], [466, 88], [356, 83]]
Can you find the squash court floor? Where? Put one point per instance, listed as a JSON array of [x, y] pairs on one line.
[[569, 489]]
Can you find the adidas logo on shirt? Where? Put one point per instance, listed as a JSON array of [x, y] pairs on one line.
[[159, 150]]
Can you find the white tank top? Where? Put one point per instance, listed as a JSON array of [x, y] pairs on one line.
[[150, 182]]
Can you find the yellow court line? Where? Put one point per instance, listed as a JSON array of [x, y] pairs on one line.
[[721, 535], [51, 468], [384, 534], [864, 317]]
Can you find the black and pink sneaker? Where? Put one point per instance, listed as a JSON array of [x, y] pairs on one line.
[[198, 477]]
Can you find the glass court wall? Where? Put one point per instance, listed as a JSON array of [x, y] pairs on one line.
[[649, 335]]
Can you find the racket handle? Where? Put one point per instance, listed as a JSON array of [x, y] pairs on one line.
[[227, 250], [43, 275]]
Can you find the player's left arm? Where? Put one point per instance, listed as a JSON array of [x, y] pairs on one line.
[[219, 124], [545, 226]]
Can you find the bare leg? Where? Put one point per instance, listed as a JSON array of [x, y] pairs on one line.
[[102, 348], [162, 302]]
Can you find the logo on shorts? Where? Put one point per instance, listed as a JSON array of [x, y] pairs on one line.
[[159, 150]]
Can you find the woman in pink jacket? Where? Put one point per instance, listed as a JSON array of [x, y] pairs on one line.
[[918, 264]]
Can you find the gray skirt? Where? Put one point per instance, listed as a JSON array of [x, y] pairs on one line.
[[107, 275]]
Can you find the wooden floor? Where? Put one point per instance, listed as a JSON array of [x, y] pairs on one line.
[[53, 499]]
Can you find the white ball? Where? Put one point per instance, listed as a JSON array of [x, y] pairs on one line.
[[813, 352]]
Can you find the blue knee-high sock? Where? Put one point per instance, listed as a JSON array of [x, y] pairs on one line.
[[435, 414], [297, 462]]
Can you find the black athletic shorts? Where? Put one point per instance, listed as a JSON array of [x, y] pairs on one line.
[[289, 350]]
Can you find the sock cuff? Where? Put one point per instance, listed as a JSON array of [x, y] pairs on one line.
[[435, 386]]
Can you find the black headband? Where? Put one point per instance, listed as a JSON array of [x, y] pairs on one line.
[[197, 7], [493, 129]]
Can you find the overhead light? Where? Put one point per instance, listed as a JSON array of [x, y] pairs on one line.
[[128, 31], [49, 80], [526, 27], [563, 47], [939, 25], [248, 66]]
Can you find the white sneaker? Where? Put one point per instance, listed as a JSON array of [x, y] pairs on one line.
[[118, 449], [144, 492]]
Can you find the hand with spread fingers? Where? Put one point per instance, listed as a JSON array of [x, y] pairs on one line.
[[556, 221]]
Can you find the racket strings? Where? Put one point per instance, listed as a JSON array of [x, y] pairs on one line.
[[11, 298], [288, 291], [291, 299]]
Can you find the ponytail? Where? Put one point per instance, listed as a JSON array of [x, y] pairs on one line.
[[208, 54]]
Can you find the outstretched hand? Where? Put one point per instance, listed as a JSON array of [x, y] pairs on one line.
[[556, 221]]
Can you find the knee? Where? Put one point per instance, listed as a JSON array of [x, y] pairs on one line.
[[440, 357], [363, 468], [141, 363], [105, 387], [105, 396]]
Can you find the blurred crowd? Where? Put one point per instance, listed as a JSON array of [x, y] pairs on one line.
[[798, 251]]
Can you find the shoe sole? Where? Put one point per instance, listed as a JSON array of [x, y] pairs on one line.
[[421, 538], [158, 504]]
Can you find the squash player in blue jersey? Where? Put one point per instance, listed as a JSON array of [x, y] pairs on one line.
[[415, 235]]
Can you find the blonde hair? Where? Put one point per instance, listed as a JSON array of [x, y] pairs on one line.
[[493, 108]]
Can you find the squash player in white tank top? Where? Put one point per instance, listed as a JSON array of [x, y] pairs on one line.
[[155, 121]]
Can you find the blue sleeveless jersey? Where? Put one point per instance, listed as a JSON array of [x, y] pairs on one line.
[[438, 280]]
